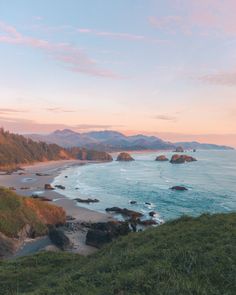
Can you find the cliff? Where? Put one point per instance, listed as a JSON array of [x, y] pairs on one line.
[[22, 217]]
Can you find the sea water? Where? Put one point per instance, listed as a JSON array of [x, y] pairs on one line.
[[211, 184]]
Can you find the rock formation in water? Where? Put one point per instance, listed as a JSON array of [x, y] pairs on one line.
[[161, 158], [125, 212], [180, 159], [179, 188], [124, 157], [179, 149], [86, 200]]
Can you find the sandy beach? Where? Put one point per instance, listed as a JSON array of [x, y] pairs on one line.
[[31, 180]]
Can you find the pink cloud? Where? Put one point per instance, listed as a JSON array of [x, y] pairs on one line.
[[220, 78], [207, 16], [71, 57]]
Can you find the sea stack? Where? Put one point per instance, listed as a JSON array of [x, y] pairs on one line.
[[161, 158], [180, 159], [125, 157], [179, 149]]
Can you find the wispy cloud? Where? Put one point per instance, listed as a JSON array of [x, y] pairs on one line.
[[165, 117], [59, 110], [207, 17], [123, 36], [227, 78], [7, 111], [71, 57]]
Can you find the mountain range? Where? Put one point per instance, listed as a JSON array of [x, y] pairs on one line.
[[109, 140]]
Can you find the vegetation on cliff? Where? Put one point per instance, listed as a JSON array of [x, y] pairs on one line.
[[90, 155], [17, 212], [16, 149], [185, 256]]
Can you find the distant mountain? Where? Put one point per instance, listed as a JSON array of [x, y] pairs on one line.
[[103, 140], [202, 146], [115, 141]]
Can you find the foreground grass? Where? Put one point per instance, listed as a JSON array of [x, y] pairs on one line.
[[186, 256]]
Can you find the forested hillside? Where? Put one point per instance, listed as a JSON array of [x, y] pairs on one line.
[[16, 150]]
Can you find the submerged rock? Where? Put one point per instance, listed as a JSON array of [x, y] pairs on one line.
[[161, 158], [60, 186], [124, 157], [179, 188], [148, 203], [133, 202], [86, 200], [180, 159]]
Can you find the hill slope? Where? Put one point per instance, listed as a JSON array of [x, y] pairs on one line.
[[109, 140], [24, 217], [16, 150], [185, 256]]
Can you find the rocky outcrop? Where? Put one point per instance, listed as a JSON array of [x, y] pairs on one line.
[[48, 186], [42, 174], [133, 202], [58, 238], [179, 149], [41, 198], [104, 232], [86, 200], [152, 213], [161, 158], [90, 155], [180, 159], [125, 157], [125, 212], [179, 188], [60, 186]]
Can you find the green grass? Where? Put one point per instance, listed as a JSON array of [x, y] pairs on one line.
[[186, 256]]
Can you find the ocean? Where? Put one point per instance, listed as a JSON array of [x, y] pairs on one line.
[[211, 183]]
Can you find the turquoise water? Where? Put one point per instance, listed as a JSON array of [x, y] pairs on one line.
[[211, 183]]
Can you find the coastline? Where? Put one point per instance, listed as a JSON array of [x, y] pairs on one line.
[[26, 183]]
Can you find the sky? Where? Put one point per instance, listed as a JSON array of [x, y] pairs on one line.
[[161, 67]]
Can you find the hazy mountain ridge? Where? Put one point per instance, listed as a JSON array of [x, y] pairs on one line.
[[198, 145], [109, 140]]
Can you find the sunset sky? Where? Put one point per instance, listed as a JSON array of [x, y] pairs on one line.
[[163, 67]]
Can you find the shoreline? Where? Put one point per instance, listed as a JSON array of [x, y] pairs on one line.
[[26, 183]]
